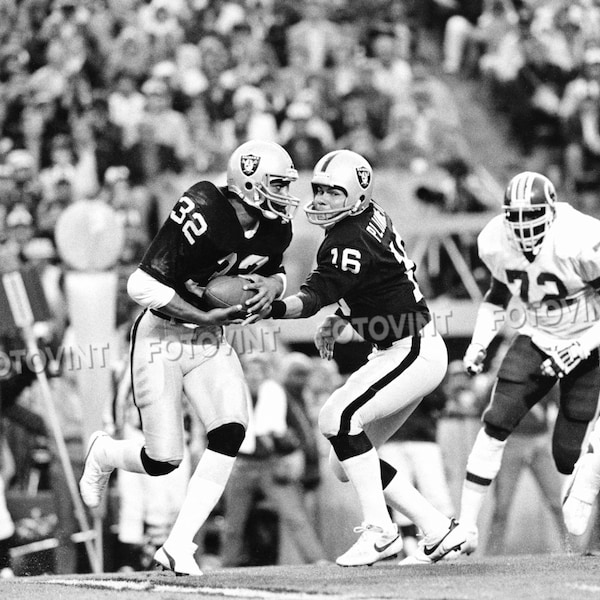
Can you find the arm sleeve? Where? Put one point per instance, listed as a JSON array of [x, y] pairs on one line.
[[490, 314], [147, 291], [498, 294]]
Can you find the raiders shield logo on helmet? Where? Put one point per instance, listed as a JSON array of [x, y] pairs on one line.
[[249, 164], [364, 177]]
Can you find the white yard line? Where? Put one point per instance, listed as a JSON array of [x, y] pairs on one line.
[[239, 593]]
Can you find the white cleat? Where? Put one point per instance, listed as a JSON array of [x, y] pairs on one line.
[[472, 540], [374, 544], [180, 561], [578, 501], [94, 478], [576, 515], [446, 545]]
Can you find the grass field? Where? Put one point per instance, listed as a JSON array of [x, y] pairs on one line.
[[523, 577]]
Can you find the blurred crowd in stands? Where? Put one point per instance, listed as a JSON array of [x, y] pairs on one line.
[[116, 99]]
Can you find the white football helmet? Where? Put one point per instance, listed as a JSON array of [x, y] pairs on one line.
[[529, 210], [349, 172], [251, 169]]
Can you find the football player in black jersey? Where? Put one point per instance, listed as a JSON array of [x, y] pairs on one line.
[[363, 267], [177, 343]]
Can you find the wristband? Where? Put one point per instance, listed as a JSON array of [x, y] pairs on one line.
[[278, 308]]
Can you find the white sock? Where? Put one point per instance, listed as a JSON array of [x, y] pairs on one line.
[[123, 454], [587, 480], [365, 474], [402, 496], [483, 465], [471, 501], [204, 490]]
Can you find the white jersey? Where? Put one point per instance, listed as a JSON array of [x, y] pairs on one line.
[[557, 291]]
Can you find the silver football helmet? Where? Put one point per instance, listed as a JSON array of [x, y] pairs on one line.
[[346, 171], [252, 168], [529, 210]]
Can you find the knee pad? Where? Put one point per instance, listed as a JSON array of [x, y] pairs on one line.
[[329, 420], [156, 468], [226, 439], [347, 446]]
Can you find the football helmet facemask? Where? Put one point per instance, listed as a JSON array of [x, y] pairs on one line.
[[252, 168], [529, 210], [348, 172]]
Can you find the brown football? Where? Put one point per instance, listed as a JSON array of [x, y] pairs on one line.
[[227, 290]]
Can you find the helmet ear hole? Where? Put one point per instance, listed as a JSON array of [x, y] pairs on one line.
[[248, 185]]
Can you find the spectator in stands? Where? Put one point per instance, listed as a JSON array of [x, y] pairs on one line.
[[42, 120], [59, 196], [126, 106], [164, 144], [315, 33], [500, 65], [14, 75], [135, 209], [304, 135], [62, 165], [251, 58], [534, 101], [392, 73], [25, 188], [105, 137], [207, 137], [461, 20], [342, 70], [579, 116], [191, 81], [130, 54], [294, 77], [215, 58], [497, 20], [251, 118], [163, 28], [304, 547], [268, 466]]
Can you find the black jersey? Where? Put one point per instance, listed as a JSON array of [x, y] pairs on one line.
[[362, 265], [203, 238]]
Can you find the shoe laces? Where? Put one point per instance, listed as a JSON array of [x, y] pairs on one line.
[[369, 532], [367, 527]]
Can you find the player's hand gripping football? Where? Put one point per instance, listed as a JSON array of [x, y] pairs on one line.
[[326, 335], [224, 316], [474, 358], [563, 359], [266, 290]]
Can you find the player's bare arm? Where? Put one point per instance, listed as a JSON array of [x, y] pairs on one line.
[[178, 308], [489, 318], [150, 293]]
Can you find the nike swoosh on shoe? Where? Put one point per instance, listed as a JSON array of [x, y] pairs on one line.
[[428, 551], [386, 546]]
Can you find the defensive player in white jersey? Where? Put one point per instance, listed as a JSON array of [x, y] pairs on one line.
[[545, 256], [177, 343], [362, 265]]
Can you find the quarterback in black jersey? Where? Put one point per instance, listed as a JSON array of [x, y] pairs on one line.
[[362, 265], [177, 343]]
